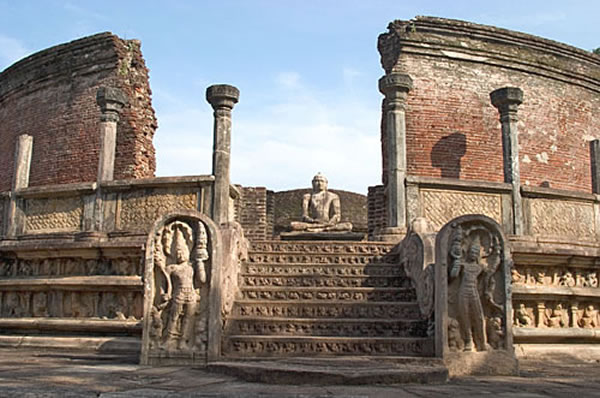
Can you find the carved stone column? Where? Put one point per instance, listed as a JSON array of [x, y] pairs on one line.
[[111, 101], [395, 87], [222, 98], [507, 100], [23, 151]]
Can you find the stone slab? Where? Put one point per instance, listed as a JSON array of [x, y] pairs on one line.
[[352, 371], [349, 236]]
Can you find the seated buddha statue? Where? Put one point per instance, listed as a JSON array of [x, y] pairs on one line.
[[321, 210]]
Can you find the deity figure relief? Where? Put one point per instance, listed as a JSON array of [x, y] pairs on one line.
[[321, 211], [592, 280], [472, 272], [180, 272]]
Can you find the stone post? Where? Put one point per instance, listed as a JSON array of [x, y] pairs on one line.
[[507, 100], [395, 87], [111, 101], [595, 163], [23, 151], [222, 98]]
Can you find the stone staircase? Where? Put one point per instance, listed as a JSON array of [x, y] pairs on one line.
[[324, 298]]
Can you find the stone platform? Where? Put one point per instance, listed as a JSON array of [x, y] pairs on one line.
[[299, 235], [76, 374]]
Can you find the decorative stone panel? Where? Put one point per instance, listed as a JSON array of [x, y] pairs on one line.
[[562, 218], [59, 214], [439, 206], [139, 209]]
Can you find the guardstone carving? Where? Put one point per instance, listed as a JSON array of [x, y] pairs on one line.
[[178, 266], [472, 258]]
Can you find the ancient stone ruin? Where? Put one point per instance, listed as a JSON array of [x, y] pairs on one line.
[[480, 244]]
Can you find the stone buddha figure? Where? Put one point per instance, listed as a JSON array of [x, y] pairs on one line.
[[321, 210]]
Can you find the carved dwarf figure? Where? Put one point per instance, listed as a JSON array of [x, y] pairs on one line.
[[589, 319], [567, 280], [317, 207], [522, 317], [557, 317]]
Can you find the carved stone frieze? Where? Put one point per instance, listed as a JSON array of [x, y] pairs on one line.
[[408, 346], [262, 258], [441, 206], [61, 214], [392, 294], [342, 310], [555, 276], [330, 328], [570, 312], [371, 249], [69, 267], [562, 218], [371, 270], [138, 210], [311, 281], [71, 304]]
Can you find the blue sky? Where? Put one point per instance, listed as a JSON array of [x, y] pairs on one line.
[[307, 71]]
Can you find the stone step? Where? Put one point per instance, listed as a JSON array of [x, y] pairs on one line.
[[357, 294], [314, 247], [331, 309], [323, 281], [326, 327], [325, 270], [327, 371], [318, 259], [286, 346], [90, 326]]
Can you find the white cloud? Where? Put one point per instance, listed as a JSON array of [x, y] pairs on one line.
[[289, 80], [11, 50], [282, 144]]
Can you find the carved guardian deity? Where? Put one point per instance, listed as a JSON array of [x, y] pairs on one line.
[[180, 253], [475, 256]]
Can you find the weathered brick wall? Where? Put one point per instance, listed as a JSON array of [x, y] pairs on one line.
[[252, 213], [453, 130], [51, 95]]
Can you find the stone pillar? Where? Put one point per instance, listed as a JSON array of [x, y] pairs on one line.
[[222, 98], [507, 100], [22, 165], [395, 87], [595, 163], [111, 101]]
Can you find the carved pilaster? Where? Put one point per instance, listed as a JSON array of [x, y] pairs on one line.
[[507, 100], [395, 87], [23, 151], [222, 98]]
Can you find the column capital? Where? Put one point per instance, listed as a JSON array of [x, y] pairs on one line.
[[222, 96], [111, 101], [394, 83], [506, 97]]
